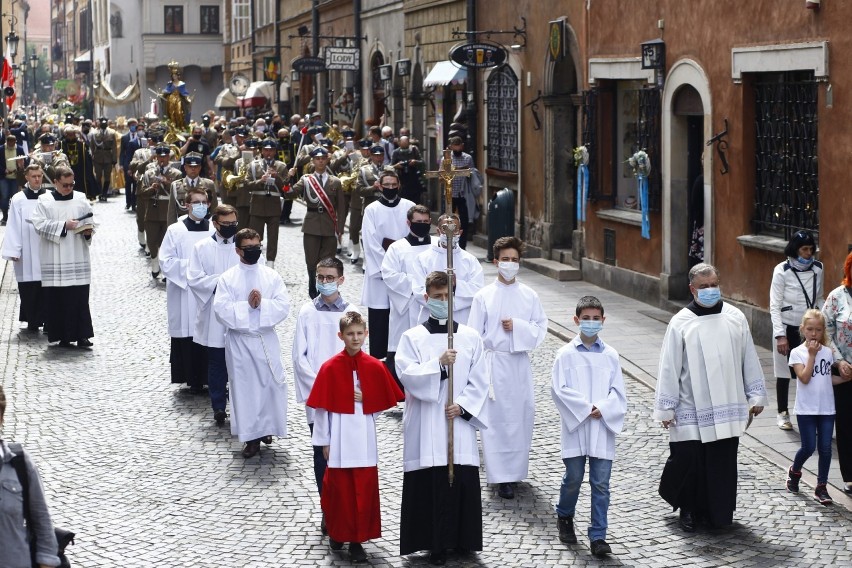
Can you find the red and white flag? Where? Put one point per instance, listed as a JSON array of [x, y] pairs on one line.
[[7, 79]]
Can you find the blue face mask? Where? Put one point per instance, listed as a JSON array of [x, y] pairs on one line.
[[709, 297], [590, 328], [806, 261], [327, 288], [132, 128], [199, 210], [438, 309]]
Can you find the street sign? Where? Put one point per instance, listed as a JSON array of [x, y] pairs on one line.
[[342, 58], [478, 55], [309, 65]]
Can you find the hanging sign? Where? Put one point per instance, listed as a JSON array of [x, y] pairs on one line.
[[478, 55], [309, 65], [342, 58], [556, 41]]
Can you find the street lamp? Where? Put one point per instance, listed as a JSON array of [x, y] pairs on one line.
[[12, 44], [34, 66]]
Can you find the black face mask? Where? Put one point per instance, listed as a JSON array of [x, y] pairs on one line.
[[390, 194], [103, 125], [457, 153], [420, 230], [251, 255], [228, 231], [196, 136]]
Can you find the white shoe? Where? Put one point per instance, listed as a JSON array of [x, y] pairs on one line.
[[784, 421]]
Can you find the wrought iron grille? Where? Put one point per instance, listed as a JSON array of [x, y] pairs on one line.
[[503, 120], [590, 136], [648, 139], [787, 176], [609, 246]]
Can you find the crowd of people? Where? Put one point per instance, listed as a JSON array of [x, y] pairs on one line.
[[208, 211]]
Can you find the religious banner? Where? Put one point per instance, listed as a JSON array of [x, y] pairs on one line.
[[271, 68]]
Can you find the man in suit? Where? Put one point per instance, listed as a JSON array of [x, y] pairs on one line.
[[130, 142], [323, 226], [265, 180]]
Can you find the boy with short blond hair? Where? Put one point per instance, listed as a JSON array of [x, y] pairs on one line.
[[588, 389]]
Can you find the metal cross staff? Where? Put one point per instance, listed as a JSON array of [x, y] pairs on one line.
[[447, 174]]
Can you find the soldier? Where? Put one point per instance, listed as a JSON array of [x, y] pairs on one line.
[[365, 192], [48, 157], [285, 155], [192, 163], [322, 226], [156, 185], [266, 179], [76, 147], [224, 157], [104, 155], [142, 158], [242, 198]]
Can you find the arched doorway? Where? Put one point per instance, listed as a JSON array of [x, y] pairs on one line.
[[378, 87]]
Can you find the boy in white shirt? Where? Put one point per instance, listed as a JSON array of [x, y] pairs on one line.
[[588, 389]]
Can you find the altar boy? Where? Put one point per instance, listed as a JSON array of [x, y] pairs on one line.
[[588, 390]]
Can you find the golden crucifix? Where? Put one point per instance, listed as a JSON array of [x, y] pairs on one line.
[[449, 227]]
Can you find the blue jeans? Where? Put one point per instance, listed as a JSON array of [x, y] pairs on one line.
[[217, 377], [815, 430], [599, 471], [8, 188]]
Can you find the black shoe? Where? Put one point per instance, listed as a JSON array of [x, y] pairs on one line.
[[250, 450], [438, 557], [219, 417], [267, 440], [82, 343], [356, 553], [133, 208], [687, 521], [196, 390], [127, 207], [33, 327], [154, 275], [505, 491], [66, 344], [600, 548], [334, 545], [566, 530], [141, 246]]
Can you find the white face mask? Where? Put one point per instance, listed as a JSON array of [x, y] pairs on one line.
[[508, 270], [442, 240]]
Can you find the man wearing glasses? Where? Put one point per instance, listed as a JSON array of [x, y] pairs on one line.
[[385, 221], [188, 358], [62, 218]]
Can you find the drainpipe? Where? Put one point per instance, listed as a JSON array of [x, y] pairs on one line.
[[315, 46], [357, 84]]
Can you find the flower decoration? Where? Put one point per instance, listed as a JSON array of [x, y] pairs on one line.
[[641, 163]]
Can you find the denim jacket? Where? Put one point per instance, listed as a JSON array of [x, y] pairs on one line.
[[13, 532]]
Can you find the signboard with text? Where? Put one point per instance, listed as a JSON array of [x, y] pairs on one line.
[[342, 58], [309, 65], [478, 55]]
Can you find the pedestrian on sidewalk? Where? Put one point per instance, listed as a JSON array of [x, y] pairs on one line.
[[797, 286], [66, 269], [508, 316], [838, 319], [710, 380], [21, 246], [351, 389], [250, 301], [588, 390], [812, 361]]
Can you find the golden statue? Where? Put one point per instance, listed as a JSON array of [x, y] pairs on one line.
[[176, 103]]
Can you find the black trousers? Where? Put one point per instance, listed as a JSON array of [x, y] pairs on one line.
[[782, 384], [68, 316], [460, 207], [378, 322], [32, 303], [843, 428], [320, 463], [188, 362], [286, 209]]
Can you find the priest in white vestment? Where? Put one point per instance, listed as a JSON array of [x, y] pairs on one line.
[[509, 317], [62, 218], [385, 221], [208, 259], [710, 380], [398, 276], [188, 359], [468, 272], [436, 516], [21, 245], [251, 299]]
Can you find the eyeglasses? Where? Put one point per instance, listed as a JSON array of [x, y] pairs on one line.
[[232, 224], [249, 247], [198, 202], [326, 279], [66, 185]]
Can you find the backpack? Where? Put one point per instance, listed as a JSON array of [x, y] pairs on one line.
[[63, 537]]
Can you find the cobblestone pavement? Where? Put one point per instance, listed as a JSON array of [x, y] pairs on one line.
[[140, 471]]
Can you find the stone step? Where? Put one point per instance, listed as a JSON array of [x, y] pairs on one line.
[[565, 256], [553, 269]]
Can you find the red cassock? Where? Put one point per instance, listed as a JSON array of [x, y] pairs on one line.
[[350, 496]]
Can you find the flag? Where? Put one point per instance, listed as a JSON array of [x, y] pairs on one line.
[[7, 79]]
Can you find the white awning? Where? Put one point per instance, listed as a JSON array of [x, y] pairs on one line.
[[226, 99], [260, 89], [84, 57], [445, 73]]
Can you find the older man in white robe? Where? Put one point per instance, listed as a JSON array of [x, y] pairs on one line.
[[251, 299], [710, 382]]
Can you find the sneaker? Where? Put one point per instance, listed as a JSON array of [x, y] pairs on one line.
[[793, 480], [821, 495], [784, 421], [219, 417], [566, 530]]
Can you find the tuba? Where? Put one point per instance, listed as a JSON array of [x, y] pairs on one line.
[[232, 181], [334, 135]]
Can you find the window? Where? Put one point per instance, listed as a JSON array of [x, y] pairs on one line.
[[173, 19], [210, 20], [85, 29], [786, 178], [240, 16], [503, 120]]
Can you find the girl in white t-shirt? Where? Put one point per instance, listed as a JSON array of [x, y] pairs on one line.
[[812, 361]]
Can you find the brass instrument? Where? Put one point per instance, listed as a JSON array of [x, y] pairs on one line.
[[333, 134], [231, 181]]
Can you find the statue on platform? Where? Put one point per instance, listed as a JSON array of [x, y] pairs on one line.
[[175, 101]]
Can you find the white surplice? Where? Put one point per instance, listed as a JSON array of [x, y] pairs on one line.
[[424, 416], [252, 351], [351, 437], [208, 260], [468, 272], [21, 240], [174, 262], [315, 341], [380, 222], [64, 259], [511, 402], [709, 376], [580, 380], [399, 277]]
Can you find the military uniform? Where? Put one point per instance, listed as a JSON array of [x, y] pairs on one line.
[[285, 154], [363, 194], [49, 161], [156, 186], [142, 158], [242, 197], [226, 156], [177, 196], [265, 201], [104, 156]]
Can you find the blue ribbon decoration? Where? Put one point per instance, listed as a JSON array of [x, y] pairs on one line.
[[643, 203], [582, 191]]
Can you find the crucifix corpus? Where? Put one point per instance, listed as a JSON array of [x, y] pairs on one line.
[[447, 174]]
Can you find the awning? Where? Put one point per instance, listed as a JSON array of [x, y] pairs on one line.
[[226, 99], [84, 57], [445, 73], [83, 62], [258, 94]]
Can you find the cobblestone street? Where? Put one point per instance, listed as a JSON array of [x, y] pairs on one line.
[[139, 470]]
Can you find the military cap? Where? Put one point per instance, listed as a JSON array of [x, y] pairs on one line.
[[375, 150], [365, 144], [269, 143], [47, 138], [252, 143], [193, 159], [319, 151], [162, 150]]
